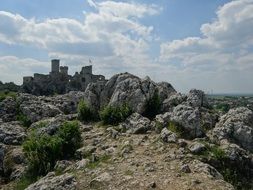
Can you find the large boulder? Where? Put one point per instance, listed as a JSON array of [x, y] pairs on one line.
[[237, 127], [189, 119], [136, 124], [8, 109], [40, 107], [14, 163], [53, 182], [128, 88], [173, 101], [12, 133], [197, 98]]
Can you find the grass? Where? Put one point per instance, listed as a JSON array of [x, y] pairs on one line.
[[24, 182], [5, 94], [176, 128], [103, 159]]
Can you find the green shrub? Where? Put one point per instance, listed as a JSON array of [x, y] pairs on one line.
[[42, 150], [6, 93], [71, 136], [85, 113], [176, 128], [24, 120], [152, 106], [113, 115]]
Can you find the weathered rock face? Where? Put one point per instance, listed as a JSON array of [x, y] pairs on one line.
[[196, 98], [14, 163], [189, 119], [8, 108], [51, 125], [12, 133], [127, 88], [174, 100], [136, 124], [39, 107], [237, 127], [51, 181]]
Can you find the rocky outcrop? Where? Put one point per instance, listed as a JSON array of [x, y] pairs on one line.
[[53, 182], [51, 125], [189, 119], [171, 102], [36, 108], [8, 109], [237, 127], [136, 124], [12, 133], [127, 88], [14, 163], [197, 98]]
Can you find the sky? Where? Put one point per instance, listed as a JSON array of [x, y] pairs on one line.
[[203, 44]]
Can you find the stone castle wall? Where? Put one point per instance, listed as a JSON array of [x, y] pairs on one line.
[[58, 81]]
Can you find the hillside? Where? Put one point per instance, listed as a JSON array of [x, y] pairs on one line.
[[130, 133]]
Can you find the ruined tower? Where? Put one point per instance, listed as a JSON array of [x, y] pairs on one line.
[[55, 65], [64, 70]]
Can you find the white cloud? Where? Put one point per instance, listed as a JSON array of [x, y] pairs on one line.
[[13, 68], [223, 54]]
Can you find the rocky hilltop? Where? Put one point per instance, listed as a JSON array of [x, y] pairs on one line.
[[128, 133]]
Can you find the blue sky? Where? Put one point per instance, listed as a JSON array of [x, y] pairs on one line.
[[205, 44]]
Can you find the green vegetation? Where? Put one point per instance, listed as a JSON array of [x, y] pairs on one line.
[[21, 117], [42, 151], [103, 159], [71, 136], [113, 115], [234, 173], [24, 120], [24, 182], [176, 128], [85, 113], [4, 94], [223, 107], [152, 106]]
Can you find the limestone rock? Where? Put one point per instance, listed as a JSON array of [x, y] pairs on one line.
[[235, 126], [206, 169], [136, 124], [12, 133], [8, 109], [128, 88], [196, 98], [197, 147], [168, 136], [174, 100], [52, 182], [189, 119], [51, 125]]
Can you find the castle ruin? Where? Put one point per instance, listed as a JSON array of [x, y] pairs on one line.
[[58, 81]]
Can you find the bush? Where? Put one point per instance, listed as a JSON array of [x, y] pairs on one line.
[[24, 120], [113, 115], [43, 151], [71, 136], [152, 106], [6, 93], [85, 113]]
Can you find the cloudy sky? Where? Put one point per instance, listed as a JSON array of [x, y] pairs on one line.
[[204, 44]]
